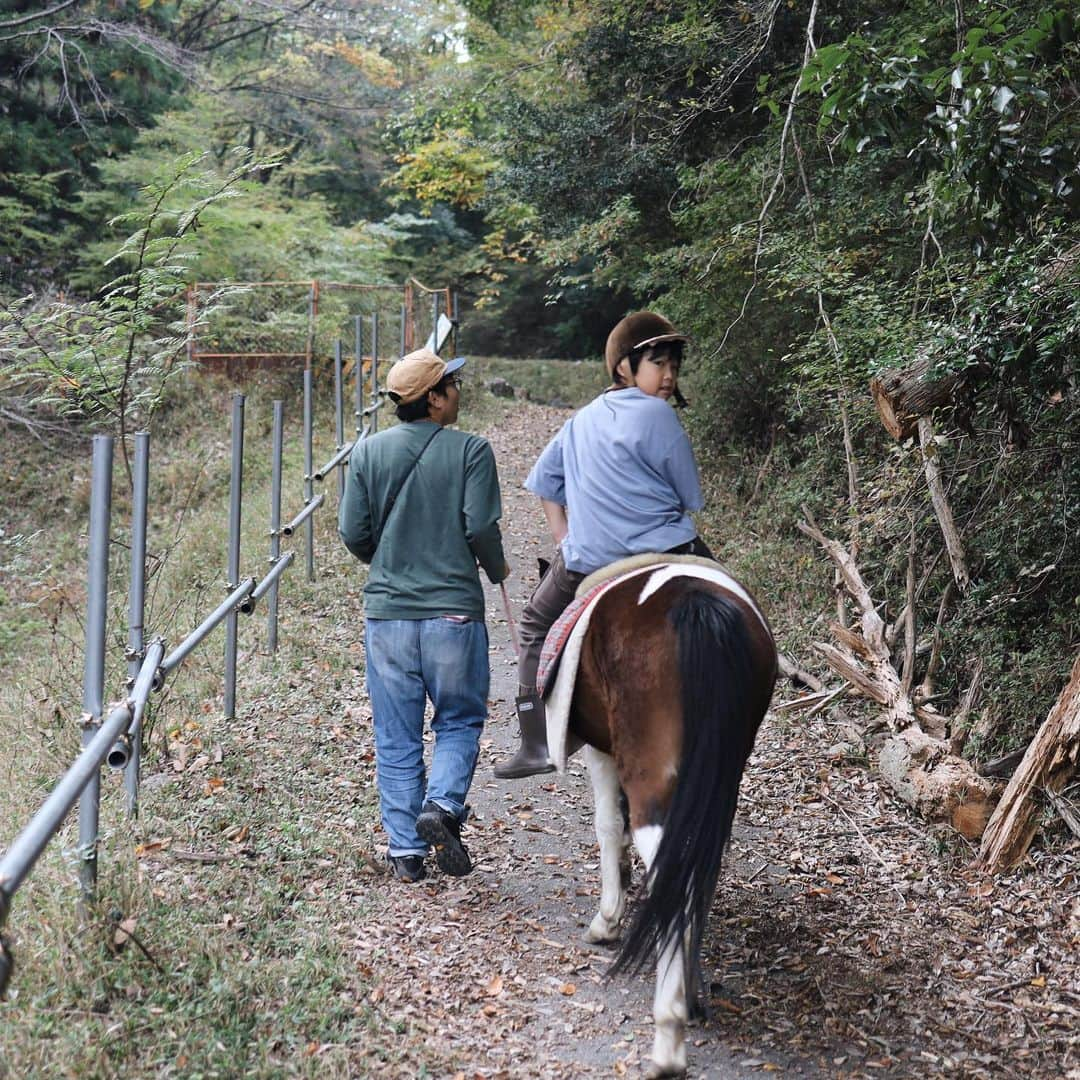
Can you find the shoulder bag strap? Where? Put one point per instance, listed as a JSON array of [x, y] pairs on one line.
[[392, 501]]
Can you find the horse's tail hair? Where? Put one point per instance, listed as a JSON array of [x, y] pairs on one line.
[[716, 670]]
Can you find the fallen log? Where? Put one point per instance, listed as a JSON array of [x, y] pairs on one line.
[[902, 397], [917, 762], [1050, 763], [936, 783]]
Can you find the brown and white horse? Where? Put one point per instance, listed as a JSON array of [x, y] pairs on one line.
[[676, 671]]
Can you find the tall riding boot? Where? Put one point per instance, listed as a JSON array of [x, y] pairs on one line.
[[531, 758]]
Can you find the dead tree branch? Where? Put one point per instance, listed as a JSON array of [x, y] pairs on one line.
[[1050, 763]]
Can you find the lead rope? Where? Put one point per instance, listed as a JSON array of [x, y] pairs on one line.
[[510, 620]]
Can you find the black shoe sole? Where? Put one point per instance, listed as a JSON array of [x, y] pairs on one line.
[[450, 853]]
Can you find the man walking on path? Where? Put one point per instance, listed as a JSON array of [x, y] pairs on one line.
[[422, 507]]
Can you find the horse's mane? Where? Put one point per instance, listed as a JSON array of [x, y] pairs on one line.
[[635, 562]]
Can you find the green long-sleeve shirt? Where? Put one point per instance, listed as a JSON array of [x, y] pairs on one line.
[[445, 520]]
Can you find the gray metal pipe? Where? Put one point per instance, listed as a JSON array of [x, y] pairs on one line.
[[436, 305], [454, 318], [309, 487], [404, 318], [275, 522], [238, 600], [270, 581], [304, 515], [375, 400], [94, 661], [146, 680], [136, 608], [339, 417], [358, 338], [26, 848], [235, 505], [335, 462]]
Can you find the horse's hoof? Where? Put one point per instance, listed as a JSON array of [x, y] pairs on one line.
[[654, 1071], [594, 936]]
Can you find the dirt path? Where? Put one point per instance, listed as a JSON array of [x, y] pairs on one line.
[[846, 939]]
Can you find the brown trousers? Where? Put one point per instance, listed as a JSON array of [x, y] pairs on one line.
[[551, 598]]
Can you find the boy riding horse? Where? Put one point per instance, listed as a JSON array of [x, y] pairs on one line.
[[619, 479]]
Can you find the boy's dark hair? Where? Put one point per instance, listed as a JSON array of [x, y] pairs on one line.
[[673, 348], [419, 409]]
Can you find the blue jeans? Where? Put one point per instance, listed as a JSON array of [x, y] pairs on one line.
[[409, 660]]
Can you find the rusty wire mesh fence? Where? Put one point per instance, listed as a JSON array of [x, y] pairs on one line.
[[240, 325]]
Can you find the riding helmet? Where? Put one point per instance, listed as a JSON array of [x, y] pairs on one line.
[[637, 331]]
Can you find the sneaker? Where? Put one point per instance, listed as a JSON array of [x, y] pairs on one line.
[[443, 832], [407, 868]]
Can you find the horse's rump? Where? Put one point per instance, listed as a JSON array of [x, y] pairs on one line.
[[686, 664]]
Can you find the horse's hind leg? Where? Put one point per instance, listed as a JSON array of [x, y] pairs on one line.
[[610, 832], [670, 1012]]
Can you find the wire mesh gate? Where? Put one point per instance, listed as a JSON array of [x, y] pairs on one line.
[[245, 324]]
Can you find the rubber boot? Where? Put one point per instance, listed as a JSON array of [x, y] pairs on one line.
[[531, 758]]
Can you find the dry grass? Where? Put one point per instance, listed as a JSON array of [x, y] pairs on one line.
[[237, 872]]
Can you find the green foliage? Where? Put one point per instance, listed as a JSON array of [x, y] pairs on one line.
[[444, 169], [107, 361], [76, 88], [981, 120]]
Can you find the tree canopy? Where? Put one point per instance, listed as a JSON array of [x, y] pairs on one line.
[[821, 194]]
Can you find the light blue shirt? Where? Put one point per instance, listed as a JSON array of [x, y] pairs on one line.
[[624, 469]]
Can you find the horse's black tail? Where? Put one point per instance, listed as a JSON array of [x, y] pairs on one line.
[[721, 711]]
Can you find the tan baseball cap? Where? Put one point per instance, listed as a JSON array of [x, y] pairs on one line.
[[415, 374]]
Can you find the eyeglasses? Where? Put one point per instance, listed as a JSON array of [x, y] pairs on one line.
[[456, 380]]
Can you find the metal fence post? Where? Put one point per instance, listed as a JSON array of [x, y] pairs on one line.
[[454, 317], [275, 522], [94, 664], [339, 413], [136, 608], [374, 370], [309, 478], [404, 317], [358, 333], [313, 314], [235, 496], [436, 304], [374, 396]]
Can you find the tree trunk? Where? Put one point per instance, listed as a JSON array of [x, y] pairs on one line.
[[953, 544], [936, 783], [902, 397], [1050, 762]]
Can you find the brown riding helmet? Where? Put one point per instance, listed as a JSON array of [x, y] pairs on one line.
[[637, 331]]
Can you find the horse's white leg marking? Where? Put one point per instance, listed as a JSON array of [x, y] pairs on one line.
[[647, 841], [669, 1012], [608, 821], [669, 1001]]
